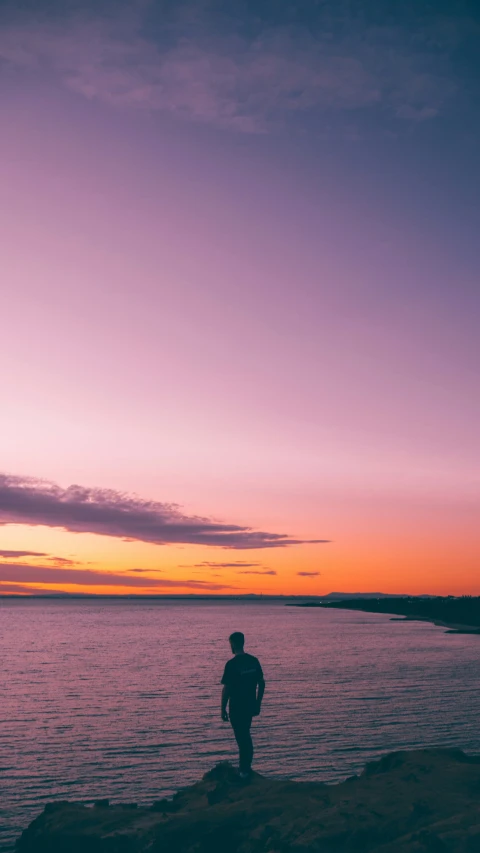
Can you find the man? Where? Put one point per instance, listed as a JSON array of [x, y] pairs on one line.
[[243, 689]]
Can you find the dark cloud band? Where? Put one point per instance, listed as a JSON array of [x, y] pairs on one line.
[[110, 513], [14, 555], [23, 574]]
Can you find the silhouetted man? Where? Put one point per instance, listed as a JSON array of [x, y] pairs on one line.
[[243, 689]]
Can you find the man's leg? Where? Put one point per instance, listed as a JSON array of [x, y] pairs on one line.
[[241, 729]]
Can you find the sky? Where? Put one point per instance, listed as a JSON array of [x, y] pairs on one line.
[[239, 301]]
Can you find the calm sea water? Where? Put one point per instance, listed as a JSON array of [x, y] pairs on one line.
[[120, 699]]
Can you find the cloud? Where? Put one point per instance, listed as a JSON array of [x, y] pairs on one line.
[[19, 573], [28, 590], [16, 554], [308, 574], [57, 561], [110, 513], [63, 561], [238, 72], [234, 565], [143, 571], [257, 572]]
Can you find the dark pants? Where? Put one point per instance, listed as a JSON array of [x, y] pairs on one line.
[[241, 728]]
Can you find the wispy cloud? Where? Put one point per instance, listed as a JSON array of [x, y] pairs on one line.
[[62, 561], [20, 573], [219, 75], [13, 555], [308, 574], [110, 513], [143, 571], [234, 565], [26, 590], [257, 572], [57, 561]]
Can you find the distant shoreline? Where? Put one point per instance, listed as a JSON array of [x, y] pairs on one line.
[[454, 627], [444, 612]]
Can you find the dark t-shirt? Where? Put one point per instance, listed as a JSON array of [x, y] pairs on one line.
[[242, 675]]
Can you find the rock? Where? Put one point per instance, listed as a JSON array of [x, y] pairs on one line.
[[422, 801]]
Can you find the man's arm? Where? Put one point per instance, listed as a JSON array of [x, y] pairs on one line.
[[225, 698], [260, 691]]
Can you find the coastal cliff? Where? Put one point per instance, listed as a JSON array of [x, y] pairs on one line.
[[424, 801]]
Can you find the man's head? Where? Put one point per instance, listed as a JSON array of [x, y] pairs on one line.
[[237, 642]]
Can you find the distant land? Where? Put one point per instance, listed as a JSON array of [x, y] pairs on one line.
[[316, 599], [461, 615], [132, 596], [331, 596], [195, 596]]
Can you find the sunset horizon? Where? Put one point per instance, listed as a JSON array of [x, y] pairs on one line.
[[136, 539]]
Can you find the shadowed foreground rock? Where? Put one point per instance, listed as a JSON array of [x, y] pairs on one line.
[[408, 801]]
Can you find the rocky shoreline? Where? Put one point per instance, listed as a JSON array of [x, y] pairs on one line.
[[422, 801]]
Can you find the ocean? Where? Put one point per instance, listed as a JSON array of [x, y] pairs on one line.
[[121, 698]]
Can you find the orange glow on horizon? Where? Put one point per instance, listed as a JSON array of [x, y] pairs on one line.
[[412, 565]]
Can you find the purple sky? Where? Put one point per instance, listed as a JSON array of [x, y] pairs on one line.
[[240, 275]]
